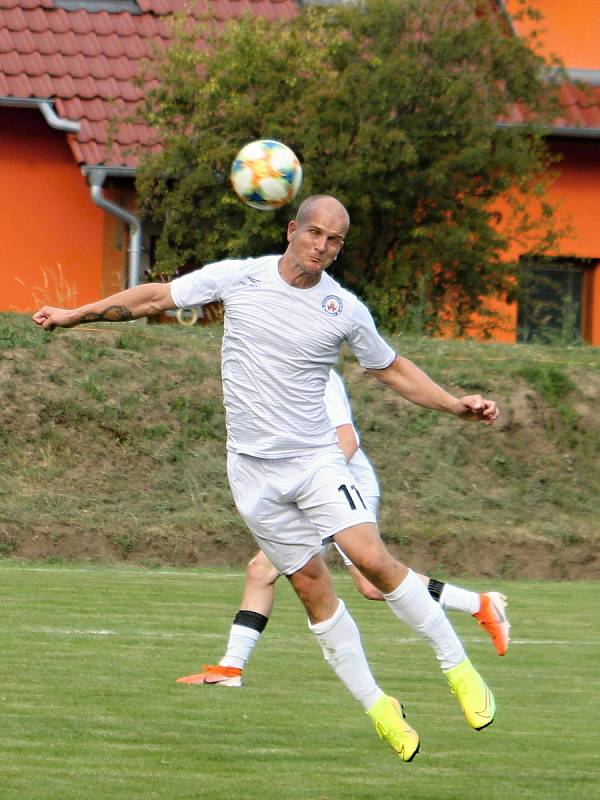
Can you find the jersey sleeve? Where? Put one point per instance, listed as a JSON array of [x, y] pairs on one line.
[[336, 401], [371, 349], [205, 285]]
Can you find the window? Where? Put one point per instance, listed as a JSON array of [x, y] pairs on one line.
[[553, 299], [99, 5]]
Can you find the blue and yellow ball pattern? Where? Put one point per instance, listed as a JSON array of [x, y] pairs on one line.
[[266, 174]]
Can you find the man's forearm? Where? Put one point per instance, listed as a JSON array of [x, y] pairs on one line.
[[409, 381], [139, 301]]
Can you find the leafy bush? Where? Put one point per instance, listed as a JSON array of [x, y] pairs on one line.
[[393, 107]]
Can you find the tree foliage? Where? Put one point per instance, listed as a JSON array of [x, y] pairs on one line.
[[392, 106]]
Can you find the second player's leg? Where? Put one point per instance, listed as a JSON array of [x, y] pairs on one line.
[[259, 587]]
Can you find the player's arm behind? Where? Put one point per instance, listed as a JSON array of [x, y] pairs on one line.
[[145, 300], [409, 381]]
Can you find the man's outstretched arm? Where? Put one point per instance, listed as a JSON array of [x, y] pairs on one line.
[[409, 381], [145, 300]]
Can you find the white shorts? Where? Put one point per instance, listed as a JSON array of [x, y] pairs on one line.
[[291, 505]]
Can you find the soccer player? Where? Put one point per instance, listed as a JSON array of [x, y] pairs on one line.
[[259, 588], [286, 320]]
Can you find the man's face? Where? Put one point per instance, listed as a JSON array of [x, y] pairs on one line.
[[314, 242]]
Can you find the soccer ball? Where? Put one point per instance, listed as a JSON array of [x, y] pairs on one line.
[[266, 174]]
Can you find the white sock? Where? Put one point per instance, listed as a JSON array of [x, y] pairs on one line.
[[342, 648], [453, 598], [412, 603], [242, 641]]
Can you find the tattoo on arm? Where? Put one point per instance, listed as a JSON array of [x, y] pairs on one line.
[[110, 314]]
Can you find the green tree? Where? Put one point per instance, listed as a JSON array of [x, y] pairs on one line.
[[392, 106]]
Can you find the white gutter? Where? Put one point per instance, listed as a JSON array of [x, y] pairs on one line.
[[96, 177], [47, 108], [560, 131]]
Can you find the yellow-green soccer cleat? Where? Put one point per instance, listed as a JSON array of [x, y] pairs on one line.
[[388, 717], [474, 696]]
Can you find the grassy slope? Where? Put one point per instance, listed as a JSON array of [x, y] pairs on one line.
[[112, 445], [90, 707]]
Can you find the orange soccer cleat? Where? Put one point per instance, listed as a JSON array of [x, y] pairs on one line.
[[215, 675], [492, 618]]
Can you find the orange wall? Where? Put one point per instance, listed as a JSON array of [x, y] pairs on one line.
[[570, 30], [51, 232]]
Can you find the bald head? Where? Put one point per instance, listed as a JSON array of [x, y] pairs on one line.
[[322, 202]]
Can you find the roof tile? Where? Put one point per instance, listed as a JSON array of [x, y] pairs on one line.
[[99, 67], [67, 43], [130, 93], [107, 88], [63, 86], [7, 44], [14, 19], [24, 41], [122, 68], [20, 86], [37, 20], [72, 108], [134, 47], [89, 44], [123, 24], [104, 23], [79, 21], [85, 88], [12, 64], [77, 66], [56, 65], [61, 22], [32, 63], [35, 3], [41, 86], [112, 45]]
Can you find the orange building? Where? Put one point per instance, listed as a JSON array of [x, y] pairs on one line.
[[567, 287], [68, 222], [68, 219]]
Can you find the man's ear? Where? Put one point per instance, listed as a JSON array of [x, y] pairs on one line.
[[290, 229]]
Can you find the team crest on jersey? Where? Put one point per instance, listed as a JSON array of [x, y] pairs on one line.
[[332, 305]]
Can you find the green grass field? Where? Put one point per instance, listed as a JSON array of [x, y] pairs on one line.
[[90, 707]]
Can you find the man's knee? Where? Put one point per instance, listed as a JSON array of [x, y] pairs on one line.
[[371, 557], [312, 583], [260, 570]]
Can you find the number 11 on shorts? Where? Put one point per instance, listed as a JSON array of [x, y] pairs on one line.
[[343, 488]]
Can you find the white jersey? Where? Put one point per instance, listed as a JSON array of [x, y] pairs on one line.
[[340, 413], [278, 346]]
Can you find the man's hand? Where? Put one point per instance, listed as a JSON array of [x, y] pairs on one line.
[[49, 318], [475, 408]]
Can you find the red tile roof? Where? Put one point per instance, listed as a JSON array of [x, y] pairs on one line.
[[581, 112], [84, 62]]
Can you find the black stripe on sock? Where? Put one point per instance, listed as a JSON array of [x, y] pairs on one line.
[[251, 619], [435, 588]]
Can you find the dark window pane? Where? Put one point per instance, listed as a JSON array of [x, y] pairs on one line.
[[550, 304]]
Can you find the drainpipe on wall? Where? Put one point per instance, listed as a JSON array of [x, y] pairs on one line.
[[47, 109], [96, 177]]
